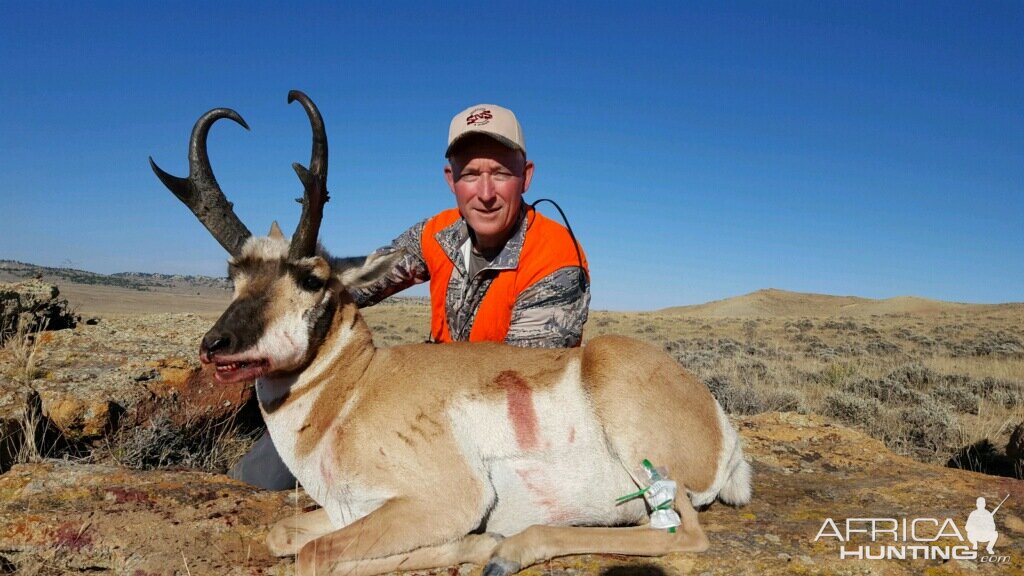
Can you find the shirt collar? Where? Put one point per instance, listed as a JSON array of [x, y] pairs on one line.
[[454, 237]]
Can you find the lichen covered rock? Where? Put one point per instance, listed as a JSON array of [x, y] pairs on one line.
[[35, 303]]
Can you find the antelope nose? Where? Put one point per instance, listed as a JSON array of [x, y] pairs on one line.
[[211, 344]]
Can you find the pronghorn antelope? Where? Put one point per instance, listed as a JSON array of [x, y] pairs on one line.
[[433, 455]]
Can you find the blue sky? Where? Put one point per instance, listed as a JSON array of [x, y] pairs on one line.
[[700, 150]]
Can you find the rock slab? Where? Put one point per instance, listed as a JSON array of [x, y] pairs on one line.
[[35, 302]]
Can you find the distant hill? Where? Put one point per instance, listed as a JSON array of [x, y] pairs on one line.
[[138, 292], [767, 303], [13, 271], [771, 302]]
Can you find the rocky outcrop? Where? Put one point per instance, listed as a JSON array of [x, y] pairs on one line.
[[121, 372], [73, 519], [35, 303]]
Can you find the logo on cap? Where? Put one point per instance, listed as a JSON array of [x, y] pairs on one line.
[[478, 117]]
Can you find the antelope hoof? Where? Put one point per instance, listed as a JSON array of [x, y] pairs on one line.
[[501, 567]]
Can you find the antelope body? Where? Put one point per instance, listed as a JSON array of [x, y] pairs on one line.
[[432, 455]]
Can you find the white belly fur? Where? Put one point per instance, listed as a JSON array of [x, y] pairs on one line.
[[566, 477]]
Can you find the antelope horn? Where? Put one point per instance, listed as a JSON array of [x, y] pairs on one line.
[[200, 191], [314, 182]]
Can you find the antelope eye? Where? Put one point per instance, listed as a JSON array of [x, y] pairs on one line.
[[312, 283]]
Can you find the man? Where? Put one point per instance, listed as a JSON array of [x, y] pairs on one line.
[[498, 270], [981, 525]]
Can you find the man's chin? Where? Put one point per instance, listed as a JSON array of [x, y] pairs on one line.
[[489, 232]]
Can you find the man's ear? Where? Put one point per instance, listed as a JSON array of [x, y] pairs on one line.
[[527, 175], [449, 177]]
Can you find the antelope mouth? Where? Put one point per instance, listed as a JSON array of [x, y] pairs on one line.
[[238, 370]]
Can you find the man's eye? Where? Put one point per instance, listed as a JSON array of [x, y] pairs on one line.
[[470, 177]]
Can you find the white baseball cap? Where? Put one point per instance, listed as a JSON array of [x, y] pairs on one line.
[[488, 119]]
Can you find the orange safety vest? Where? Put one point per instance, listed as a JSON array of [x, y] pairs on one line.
[[547, 248]]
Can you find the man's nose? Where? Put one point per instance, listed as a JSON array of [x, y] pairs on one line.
[[486, 192]]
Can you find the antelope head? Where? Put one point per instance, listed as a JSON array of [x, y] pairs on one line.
[[285, 292]]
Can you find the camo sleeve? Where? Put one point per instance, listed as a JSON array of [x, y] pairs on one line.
[[389, 269], [552, 312]]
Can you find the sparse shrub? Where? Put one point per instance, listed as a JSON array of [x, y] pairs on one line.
[[835, 374], [957, 393], [925, 429], [696, 360], [1002, 392], [745, 399], [751, 372], [851, 409], [881, 347], [914, 375], [728, 348], [888, 391], [750, 331], [839, 325], [999, 343], [803, 325], [781, 400], [161, 443]]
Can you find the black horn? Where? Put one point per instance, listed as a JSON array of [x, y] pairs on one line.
[[314, 183], [200, 191]]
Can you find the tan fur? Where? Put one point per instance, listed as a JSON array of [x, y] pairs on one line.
[[410, 449], [634, 414], [336, 382]]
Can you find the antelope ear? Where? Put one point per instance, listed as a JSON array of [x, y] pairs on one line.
[[359, 272], [275, 231]]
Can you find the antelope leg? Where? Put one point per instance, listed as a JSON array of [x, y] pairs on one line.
[[539, 543], [402, 532]]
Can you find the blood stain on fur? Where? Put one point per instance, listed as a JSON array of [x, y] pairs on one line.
[[521, 411]]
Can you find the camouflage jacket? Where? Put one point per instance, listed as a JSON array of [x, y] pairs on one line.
[[549, 314]]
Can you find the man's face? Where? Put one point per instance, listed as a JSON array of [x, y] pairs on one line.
[[489, 180]]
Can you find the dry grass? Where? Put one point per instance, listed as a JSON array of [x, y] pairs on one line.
[[160, 442], [19, 365], [928, 385], [22, 350]]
